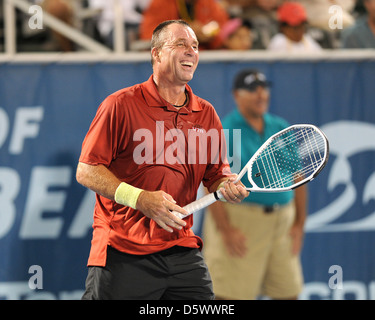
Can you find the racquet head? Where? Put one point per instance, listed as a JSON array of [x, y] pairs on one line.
[[287, 159]]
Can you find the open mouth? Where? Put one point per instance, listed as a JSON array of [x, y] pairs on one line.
[[188, 64]]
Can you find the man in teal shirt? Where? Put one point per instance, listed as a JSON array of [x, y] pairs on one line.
[[250, 142], [253, 248]]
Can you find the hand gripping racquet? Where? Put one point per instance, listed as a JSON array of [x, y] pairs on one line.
[[287, 160]]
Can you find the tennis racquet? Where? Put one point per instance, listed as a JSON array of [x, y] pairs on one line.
[[287, 160]]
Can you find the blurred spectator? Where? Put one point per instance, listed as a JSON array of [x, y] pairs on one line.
[[262, 14], [236, 34], [359, 9], [292, 37], [269, 5], [131, 13], [327, 18], [240, 5], [63, 10], [206, 17], [362, 34], [319, 13]]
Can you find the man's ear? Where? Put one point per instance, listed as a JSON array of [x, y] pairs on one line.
[[155, 52]]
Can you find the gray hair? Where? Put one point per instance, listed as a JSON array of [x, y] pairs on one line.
[[158, 39]]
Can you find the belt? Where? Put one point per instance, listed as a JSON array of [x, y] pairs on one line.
[[174, 250], [261, 207], [166, 252], [271, 208]]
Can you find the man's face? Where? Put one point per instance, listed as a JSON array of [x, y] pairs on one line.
[[252, 103], [177, 60], [241, 39], [294, 33]]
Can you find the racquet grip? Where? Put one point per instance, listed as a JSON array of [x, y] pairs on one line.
[[199, 204]]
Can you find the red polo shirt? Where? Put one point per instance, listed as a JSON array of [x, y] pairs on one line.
[[149, 144]]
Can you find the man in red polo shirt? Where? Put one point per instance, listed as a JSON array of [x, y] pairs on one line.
[[147, 150]]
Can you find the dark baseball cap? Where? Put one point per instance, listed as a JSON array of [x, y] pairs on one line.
[[250, 79]]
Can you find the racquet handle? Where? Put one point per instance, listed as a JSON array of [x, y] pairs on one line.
[[199, 204]]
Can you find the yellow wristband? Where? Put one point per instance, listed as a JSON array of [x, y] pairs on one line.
[[218, 188], [221, 185], [127, 195]]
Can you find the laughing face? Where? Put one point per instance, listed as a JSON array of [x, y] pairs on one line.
[[177, 60]]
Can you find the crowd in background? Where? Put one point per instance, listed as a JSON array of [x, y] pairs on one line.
[[277, 25]]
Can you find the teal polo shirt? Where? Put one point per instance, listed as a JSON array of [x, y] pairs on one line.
[[241, 150]]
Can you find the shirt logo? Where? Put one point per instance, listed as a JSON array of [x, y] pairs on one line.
[[197, 128]]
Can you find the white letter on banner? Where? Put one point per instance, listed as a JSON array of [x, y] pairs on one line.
[[354, 290], [312, 290], [9, 187], [371, 290], [82, 221], [4, 126], [25, 126], [40, 200]]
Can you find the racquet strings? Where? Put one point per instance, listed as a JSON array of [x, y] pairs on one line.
[[294, 155]]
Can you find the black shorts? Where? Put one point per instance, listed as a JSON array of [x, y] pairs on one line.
[[177, 273]]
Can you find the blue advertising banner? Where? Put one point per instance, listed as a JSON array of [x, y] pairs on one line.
[[46, 216]]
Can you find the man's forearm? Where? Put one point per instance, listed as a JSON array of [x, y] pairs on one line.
[[98, 178]]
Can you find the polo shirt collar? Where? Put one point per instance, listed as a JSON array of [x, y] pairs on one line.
[[153, 98]]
